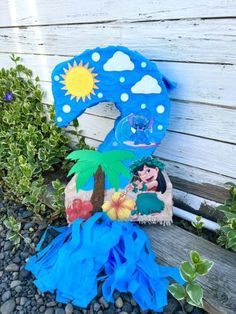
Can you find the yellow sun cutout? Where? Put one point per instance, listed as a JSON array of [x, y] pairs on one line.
[[79, 81]]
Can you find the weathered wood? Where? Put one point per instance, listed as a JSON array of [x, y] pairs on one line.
[[181, 40], [217, 87], [40, 12], [189, 150], [172, 245], [197, 119]]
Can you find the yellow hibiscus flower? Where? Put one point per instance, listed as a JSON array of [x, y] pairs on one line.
[[119, 208]]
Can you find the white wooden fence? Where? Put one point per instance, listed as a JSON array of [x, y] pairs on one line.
[[193, 43]]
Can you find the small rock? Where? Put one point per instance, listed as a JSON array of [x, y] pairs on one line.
[[27, 214], [18, 289], [133, 302], [12, 267], [6, 295], [69, 308], [188, 308], [15, 283], [42, 309], [96, 307], [7, 246], [8, 307], [1, 256], [49, 311], [28, 225], [119, 303], [51, 304], [123, 312], [23, 300], [103, 302], [127, 307], [59, 311], [24, 273]]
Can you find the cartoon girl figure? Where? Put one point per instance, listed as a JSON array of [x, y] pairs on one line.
[[148, 181]]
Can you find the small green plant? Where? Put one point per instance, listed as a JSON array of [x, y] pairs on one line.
[[227, 234], [198, 224], [14, 231], [192, 292], [31, 144], [57, 198]]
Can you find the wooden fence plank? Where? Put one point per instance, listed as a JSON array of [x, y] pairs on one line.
[[197, 152], [208, 41], [207, 83], [172, 245], [44, 12]]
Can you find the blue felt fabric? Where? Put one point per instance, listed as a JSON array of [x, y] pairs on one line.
[[117, 253]]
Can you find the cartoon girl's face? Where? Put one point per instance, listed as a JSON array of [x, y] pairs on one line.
[[148, 174]]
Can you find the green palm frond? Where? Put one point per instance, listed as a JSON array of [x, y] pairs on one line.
[[85, 155], [121, 169], [83, 178], [117, 155], [82, 166], [112, 175]]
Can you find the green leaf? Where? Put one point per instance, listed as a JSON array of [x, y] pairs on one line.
[[177, 291], [195, 257], [83, 178], [85, 155], [187, 271], [204, 267], [195, 294]]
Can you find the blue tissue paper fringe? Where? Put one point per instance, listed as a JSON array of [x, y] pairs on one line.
[[117, 253]]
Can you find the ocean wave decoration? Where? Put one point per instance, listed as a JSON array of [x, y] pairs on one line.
[[126, 78]]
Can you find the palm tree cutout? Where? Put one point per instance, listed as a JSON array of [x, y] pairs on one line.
[[100, 165]]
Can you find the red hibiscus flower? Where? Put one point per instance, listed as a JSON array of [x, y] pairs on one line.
[[79, 209]]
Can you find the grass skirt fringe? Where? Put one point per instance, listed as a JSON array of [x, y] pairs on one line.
[[117, 253]]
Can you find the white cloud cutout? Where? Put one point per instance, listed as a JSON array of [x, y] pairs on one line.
[[119, 62], [147, 85]]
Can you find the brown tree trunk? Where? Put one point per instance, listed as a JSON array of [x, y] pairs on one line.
[[97, 198]]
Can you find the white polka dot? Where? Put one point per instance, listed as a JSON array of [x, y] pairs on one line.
[[160, 109], [96, 56], [100, 95], [124, 97], [59, 119], [143, 64], [56, 78], [122, 79], [160, 127], [115, 144], [143, 106], [66, 108]]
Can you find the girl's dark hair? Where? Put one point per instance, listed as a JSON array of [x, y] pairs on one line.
[[161, 182]]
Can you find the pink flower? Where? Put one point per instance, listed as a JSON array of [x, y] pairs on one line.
[[79, 209]]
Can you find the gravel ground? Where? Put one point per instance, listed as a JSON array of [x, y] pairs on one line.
[[18, 295]]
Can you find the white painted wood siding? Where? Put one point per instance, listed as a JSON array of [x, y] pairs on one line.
[[192, 42]]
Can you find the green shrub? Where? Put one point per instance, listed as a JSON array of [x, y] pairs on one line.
[[227, 234], [192, 292], [31, 144]]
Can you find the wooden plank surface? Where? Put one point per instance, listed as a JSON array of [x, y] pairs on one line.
[[197, 152], [207, 83], [208, 41], [43, 12], [172, 245]]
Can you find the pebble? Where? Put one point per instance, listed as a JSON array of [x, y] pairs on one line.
[[119, 303], [42, 309], [59, 311], [69, 308], [188, 308], [1, 256], [49, 311], [96, 307], [12, 267], [104, 302], [23, 300], [15, 283], [8, 307], [127, 307], [6, 295], [51, 304]]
